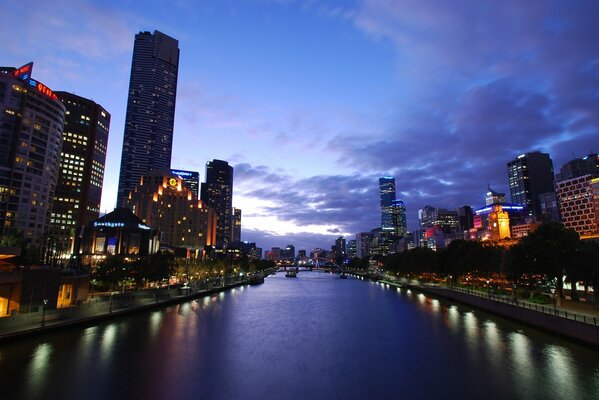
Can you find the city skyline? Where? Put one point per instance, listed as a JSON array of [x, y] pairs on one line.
[[315, 102]]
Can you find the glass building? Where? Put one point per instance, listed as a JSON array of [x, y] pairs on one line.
[[148, 139], [217, 193], [387, 194]]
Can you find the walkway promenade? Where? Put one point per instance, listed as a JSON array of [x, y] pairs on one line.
[[108, 305]]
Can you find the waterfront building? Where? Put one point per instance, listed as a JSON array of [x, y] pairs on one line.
[[400, 225], [352, 249], [217, 193], [387, 197], [301, 254], [191, 180], [236, 225], [31, 128], [446, 220], [82, 163], [288, 252], [363, 240], [340, 247], [274, 254], [120, 233], [530, 175], [150, 116], [162, 201]]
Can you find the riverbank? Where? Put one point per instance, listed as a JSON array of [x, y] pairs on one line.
[[547, 319], [100, 309]]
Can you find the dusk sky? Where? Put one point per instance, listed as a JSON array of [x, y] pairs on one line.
[[313, 101]]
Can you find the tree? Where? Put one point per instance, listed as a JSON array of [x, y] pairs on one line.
[[551, 251]]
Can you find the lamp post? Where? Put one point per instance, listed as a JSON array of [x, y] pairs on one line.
[[44, 312]]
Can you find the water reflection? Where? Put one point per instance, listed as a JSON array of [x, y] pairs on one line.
[[302, 338]]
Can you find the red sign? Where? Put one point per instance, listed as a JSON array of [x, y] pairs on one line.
[[24, 72]]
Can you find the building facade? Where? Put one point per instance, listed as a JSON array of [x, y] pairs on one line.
[[579, 204], [82, 163], [150, 117], [387, 196], [236, 225], [530, 175], [217, 193], [162, 201], [31, 126]]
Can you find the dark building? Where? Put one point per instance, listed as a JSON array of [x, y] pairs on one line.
[[79, 191], [530, 175], [340, 247], [191, 180], [31, 126], [217, 193], [466, 218], [236, 225], [150, 117], [117, 233], [578, 167]]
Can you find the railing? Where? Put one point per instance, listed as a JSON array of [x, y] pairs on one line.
[[587, 319], [96, 306]]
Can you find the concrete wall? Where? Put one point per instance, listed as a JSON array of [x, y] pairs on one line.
[[580, 331]]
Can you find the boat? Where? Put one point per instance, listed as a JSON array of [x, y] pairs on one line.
[[256, 279], [291, 274]]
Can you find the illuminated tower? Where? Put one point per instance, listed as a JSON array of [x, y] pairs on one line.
[[531, 175], [150, 117], [387, 195], [31, 126], [79, 190]]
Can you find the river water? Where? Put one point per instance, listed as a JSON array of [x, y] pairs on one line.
[[313, 337]]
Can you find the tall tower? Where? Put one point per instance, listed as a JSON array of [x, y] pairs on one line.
[[79, 190], [531, 175], [150, 117], [399, 218], [236, 226], [31, 126], [217, 193], [387, 194]]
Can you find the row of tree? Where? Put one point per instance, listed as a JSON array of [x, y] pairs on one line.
[[542, 258], [115, 271]]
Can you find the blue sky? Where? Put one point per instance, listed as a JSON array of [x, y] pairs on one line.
[[312, 101]]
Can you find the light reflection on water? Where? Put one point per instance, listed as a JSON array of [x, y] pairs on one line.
[[316, 336]]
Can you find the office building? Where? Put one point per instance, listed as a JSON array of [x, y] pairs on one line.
[[191, 180], [31, 127], [493, 197], [340, 248], [352, 249], [79, 191], [363, 240], [579, 204], [466, 217], [398, 211], [236, 226], [217, 193], [387, 196], [530, 175], [578, 167], [150, 116]]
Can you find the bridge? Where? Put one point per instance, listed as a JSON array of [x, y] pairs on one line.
[[314, 264]]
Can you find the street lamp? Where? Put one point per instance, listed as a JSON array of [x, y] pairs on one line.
[[44, 312]]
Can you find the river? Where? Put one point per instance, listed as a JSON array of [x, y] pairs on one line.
[[312, 337]]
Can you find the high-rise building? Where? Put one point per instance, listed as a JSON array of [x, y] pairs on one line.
[[363, 240], [31, 127], [340, 247], [236, 226], [466, 217], [79, 191], [217, 193], [288, 252], [579, 204], [387, 195], [441, 218], [493, 197], [352, 249], [162, 201], [191, 180], [400, 225], [150, 117], [530, 175]]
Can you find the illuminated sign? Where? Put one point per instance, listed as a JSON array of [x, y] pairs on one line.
[[110, 224], [172, 182], [24, 73], [142, 226], [181, 173]]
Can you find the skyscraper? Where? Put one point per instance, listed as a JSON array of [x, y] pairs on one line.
[[387, 194], [150, 117], [31, 126], [236, 226], [399, 218], [82, 162], [217, 193], [530, 175]]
